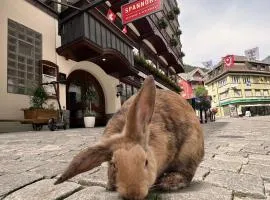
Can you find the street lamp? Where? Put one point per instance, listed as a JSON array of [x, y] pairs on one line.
[[119, 89]]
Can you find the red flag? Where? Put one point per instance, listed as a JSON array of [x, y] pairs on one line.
[[228, 60], [124, 29], [111, 16]]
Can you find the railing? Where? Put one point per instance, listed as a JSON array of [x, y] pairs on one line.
[[86, 26], [153, 20]]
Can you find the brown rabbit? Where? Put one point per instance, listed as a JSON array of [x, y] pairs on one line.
[[154, 139]]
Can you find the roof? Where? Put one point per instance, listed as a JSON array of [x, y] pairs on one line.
[[238, 58], [189, 76], [266, 60]]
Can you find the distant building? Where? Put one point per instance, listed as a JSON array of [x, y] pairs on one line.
[[245, 86], [189, 81], [267, 59]]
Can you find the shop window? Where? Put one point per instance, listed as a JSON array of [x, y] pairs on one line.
[[23, 54]]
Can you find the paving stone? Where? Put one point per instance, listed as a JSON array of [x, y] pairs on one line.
[[45, 190], [259, 157], [200, 174], [244, 198], [94, 193], [237, 153], [221, 165], [11, 182], [254, 150], [50, 169], [244, 184], [258, 170], [200, 190], [229, 149], [16, 166], [95, 177], [267, 187], [228, 158]]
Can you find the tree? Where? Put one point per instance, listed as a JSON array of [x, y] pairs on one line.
[[200, 91]]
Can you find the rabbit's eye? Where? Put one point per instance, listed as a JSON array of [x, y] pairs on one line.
[[146, 163]]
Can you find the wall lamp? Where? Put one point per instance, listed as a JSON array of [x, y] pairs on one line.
[[119, 89]]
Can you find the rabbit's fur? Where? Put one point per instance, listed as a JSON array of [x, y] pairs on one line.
[[154, 140]]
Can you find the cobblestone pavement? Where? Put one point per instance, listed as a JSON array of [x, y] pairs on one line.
[[236, 164]]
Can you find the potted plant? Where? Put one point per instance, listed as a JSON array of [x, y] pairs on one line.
[[162, 23], [173, 42], [178, 32], [37, 110], [176, 10], [171, 15], [89, 115]]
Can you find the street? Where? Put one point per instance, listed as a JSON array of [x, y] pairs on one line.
[[236, 164]]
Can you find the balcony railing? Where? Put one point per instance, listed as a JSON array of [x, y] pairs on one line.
[[153, 20], [88, 27]]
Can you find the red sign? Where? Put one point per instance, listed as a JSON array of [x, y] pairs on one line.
[[140, 8], [229, 60], [187, 92]]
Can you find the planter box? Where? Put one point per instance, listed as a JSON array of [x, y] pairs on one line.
[[40, 114]]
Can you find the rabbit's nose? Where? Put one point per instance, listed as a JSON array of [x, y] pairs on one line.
[[136, 193]]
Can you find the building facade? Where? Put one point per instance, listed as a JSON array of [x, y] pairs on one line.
[[189, 81], [245, 86], [75, 41]]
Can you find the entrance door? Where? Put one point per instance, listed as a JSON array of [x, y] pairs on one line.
[[77, 84]]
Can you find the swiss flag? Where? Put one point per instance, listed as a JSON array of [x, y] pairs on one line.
[[111, 16], [228, 60], [124, 29]]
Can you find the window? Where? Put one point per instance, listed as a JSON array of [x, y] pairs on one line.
[[265, 93], [246, 79], [24, 52], [254, 67], [237, 93], [224, 95], [248, 93], [257, 93], [235, 79], [222, 82], [128, 91], [262, 68]]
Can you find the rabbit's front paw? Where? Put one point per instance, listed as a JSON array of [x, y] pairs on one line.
[[172, 181]]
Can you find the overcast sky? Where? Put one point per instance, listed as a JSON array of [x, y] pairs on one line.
[[214, 28]]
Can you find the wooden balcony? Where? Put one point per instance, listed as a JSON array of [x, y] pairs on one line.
[[90, 36]]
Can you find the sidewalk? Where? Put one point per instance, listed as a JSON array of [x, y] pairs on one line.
[[236, 164]]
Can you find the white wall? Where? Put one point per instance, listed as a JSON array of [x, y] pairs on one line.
[[32, 17]]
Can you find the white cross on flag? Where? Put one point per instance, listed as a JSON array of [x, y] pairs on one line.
[[111, 16], [124, 29], [228, 60]]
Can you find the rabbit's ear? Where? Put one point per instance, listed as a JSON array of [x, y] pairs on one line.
[[141, 111], [87, 160]]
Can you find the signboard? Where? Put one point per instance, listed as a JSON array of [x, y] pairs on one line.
[[140, 8], [252, 54], [187, 91]]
